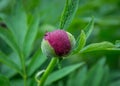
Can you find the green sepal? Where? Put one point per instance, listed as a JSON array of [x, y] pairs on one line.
[[47, 49]]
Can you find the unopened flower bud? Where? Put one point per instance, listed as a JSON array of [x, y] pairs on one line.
[[57, 43]]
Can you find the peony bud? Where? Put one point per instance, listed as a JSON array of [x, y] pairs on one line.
[[57, 43]]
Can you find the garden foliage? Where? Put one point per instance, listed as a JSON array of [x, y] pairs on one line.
[[95, 60]]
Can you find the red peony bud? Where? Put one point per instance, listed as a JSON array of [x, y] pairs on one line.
[[57, 43]]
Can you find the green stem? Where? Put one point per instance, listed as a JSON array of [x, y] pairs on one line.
[[25, 81], [24, 69], [47, 71], [25, 75]]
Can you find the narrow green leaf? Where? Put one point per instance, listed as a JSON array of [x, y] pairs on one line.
[[62, 73], [30, 36], [89, 28], [114, 78], [113, 49], [80, 42], [17, 82], [9, 63], [8, 37], [117, 43], [114, 75], [36, 61], [105, 80], [80, 78], [115, 83], [95, 75], [16, 21], [97, 47], [6, 71], [20, 82], [71, 78], [60, 83], [68, 13], [4, 81]]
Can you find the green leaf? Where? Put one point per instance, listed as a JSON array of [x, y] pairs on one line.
[[115, 83], [95, 75], [6, 71], [114, 78], [71, 78], [8, 37], [80, 78], [16, 21], [62, 73], [117, 43], [113, 49], [36, 61], [105, 80], [20, 82], [30, 36], [60, 83], [89, 28], [17, 82], [4, 81], [114, 75], [80, 42], [68, 13], [5, 60], [97, 47]]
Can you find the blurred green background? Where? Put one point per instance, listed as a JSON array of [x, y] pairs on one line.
[[107, 28]]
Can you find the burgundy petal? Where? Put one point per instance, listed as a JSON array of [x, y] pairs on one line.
[[59, 40]]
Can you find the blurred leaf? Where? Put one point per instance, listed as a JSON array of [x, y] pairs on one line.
[[114, 75], [4, 47], [117, 43], [115, 78], [62, 73], [36, 61], [6, 71], [79, 80], [7, 36], [80, 42], [17, 22], [15, 58], [4, 81], [68, 13], [19, 82], [104, 21], [97, 47], [95, 75], [5, 60], [105, 79], [89, 28], [61, 83], [30, 36], [3, 4], [113, 49], [115, 83], [71, 78]]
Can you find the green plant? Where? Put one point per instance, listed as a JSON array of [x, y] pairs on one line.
[[22, 30]]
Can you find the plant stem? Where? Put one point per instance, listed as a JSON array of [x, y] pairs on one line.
[[47, 71], [24, 69], [25, 75], [25, 81]]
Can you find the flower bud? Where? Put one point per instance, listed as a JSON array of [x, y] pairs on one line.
[[57, 43]]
